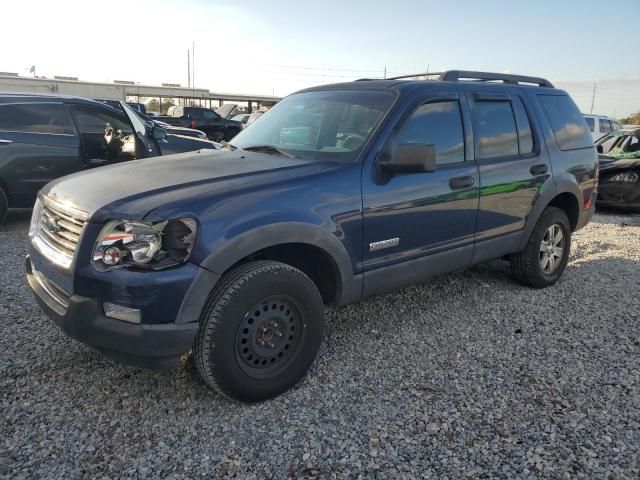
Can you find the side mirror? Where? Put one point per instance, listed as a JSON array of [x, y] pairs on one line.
[[411, 158], [600, 149], [159, 133]]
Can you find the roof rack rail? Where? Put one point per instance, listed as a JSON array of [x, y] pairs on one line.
[[467, 75], [458, 75]]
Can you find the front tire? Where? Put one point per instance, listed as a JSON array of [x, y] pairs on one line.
[[546, 254], [260, 331]]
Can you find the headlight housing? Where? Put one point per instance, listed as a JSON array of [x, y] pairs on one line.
[[629, 177], [144, 245]]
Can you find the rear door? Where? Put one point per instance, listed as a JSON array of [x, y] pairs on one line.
[[37, 144], [513, 167]]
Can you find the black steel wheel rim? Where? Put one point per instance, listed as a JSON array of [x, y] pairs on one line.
[[269, 336]]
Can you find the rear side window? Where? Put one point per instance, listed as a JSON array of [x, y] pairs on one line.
[[35, 118], [496, 129], [439, 124], [605, 126], [525, 137], [590, 123], [568, 124]]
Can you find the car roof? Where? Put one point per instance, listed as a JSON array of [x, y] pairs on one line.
[[28, 97], [404, 85]]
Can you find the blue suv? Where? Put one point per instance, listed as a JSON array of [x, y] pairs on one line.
[[338, 193]]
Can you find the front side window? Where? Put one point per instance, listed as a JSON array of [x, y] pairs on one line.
[[330, 125], [93, 121], [35, 118], [495, 129], [438, 124], [209, 115], [615, 126], [568, 124]]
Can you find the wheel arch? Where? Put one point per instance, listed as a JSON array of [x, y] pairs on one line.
[[314, 251], [565, 197]]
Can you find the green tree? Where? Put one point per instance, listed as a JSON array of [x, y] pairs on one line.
[[633, 119]]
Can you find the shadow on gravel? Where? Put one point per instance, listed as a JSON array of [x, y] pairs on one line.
[[17, 220], [609, 216]]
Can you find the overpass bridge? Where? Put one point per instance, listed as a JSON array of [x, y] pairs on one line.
[[131, 91]]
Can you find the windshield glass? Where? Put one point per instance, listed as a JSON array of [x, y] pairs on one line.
[[330, 125]]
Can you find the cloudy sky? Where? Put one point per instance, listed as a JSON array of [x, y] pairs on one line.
[[248, 46]]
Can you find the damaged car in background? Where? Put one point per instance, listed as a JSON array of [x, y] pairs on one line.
[[620, 169], [44, 137]]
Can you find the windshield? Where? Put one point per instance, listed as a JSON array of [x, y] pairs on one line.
[[620, 144], [330, 125]]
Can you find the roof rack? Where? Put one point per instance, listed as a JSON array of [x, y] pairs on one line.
[[465, 75]]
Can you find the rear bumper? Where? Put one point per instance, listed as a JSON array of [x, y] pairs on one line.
[[586, 214], [82, 318]]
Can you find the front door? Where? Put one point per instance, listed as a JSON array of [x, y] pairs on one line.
[[420, 224]]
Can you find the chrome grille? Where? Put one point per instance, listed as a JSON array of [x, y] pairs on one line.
[[58, 230]]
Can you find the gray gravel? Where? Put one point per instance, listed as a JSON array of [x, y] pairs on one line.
[[470, 376]]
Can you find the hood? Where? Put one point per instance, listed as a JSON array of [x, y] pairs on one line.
[[227, 110], [611, 164], [143, 185]]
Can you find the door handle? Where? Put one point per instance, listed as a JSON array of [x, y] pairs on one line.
[[539, 169], [458, 183], [5, 142]]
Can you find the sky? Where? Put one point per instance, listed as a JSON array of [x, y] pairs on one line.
[[280, 46]]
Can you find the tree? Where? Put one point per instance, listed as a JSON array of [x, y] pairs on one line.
[[153, 105], [633, 119]]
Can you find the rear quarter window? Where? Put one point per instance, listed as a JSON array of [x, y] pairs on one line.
[[568, 125]]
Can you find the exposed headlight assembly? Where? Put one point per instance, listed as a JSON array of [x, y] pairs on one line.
[[145, 245], [629, 177]]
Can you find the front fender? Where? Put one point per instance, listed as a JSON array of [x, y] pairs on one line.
[[229, 252]]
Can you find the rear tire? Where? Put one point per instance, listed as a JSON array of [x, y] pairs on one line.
[[546, 254], [4, 206], [260, 331]]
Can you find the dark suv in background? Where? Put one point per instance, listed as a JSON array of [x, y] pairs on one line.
[[339, 192], [43, 137], [216, 127]]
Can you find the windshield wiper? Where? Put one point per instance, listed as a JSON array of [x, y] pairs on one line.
[[267, 149]]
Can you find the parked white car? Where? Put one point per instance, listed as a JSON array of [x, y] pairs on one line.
[[600, 125]]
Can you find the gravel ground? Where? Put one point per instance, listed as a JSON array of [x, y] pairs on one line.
[[470, 376]]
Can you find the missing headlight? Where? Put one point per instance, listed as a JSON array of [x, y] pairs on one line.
[[144, 245]]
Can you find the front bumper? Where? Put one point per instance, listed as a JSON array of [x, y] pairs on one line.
[[624, 195], [82, 318]]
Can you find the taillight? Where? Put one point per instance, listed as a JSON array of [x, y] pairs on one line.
[[596, 180], [193, 123]]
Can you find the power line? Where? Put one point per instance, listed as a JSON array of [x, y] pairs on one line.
[[331, 69]]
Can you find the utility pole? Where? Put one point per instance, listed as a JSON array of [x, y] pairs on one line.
[[385, 72], [193, 66], [188, 69], [593, 99]]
